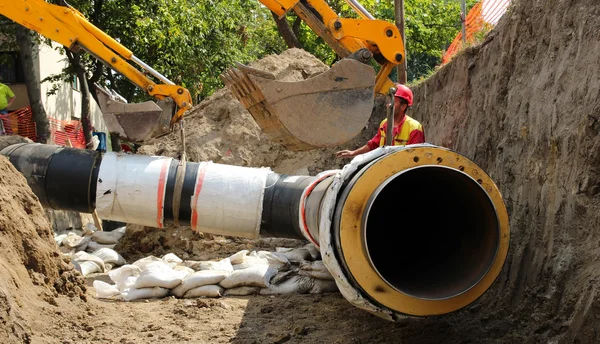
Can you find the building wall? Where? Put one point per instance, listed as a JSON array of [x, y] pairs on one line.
[[65, 104]]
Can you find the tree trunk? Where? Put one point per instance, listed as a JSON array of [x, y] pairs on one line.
[[86, 111], [26, 43], [286, 32]]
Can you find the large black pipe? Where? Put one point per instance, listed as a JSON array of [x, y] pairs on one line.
[[62, 178], [421, 231]]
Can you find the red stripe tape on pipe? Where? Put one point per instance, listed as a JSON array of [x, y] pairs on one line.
[[160, 198], [197, 190]]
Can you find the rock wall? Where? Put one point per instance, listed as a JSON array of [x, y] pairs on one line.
[[525, 106]]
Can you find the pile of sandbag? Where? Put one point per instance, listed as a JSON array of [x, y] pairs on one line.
[[90, 250], [285, 271]]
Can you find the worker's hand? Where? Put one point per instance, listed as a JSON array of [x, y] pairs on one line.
[[345, 154]]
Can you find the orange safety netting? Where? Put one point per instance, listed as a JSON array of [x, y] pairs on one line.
[[20, 122], [63, 130], [479, 21]]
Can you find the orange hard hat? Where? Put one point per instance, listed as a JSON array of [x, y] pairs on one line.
[[404, 93]]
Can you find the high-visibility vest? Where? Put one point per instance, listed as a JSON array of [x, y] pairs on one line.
[[401, 139]]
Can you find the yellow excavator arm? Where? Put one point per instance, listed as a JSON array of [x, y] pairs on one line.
[[346, 36], [331, 108], [336, 105], [132, 122]]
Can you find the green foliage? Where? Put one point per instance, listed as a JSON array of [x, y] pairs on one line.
[[192, 42], [189, 41], [431, 25]]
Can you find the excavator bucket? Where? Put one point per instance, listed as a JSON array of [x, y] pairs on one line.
[[135, 122], [322, 111]]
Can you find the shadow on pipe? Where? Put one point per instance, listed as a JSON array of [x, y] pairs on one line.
[[442, 227]]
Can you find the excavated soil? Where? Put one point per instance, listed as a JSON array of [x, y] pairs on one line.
[[34, 278], [524, 105]]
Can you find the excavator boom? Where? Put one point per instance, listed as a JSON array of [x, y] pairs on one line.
[[132, 122], [337, 104]]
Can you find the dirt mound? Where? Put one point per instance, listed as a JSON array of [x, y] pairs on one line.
[[220, 129], [32, 271], [525, 106]]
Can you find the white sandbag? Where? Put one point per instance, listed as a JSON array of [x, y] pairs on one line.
[[238, 258], [145, 293], [254, 276], [275, 260], [72, 240], [159, 274], [120, 230], [244, 260], [58, 239], [171, 258], [76, 242], [242, 291], [222, 265], [322, 286], [296, 284], [315, 269], [94, 246], [84, 256], [294, 255], [88, 267], [105, 290], [206, 291], [185, 269], [109, 256], [107, 238], [125, 276], [89, 229], [83, 244], [314, 252], [199, 279], [142, 263], [249, 261]]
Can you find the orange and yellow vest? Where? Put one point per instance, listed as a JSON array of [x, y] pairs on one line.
[[401, 138]]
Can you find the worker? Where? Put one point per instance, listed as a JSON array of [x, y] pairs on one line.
[[407, 131], [7, 97]]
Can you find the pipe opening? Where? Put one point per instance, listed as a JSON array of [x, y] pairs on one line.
[[431, 232]]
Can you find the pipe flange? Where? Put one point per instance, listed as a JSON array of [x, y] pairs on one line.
[[352, 240]]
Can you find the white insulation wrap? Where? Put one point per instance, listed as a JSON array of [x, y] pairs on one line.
[[326, 241], [228, 199], [131, 188]]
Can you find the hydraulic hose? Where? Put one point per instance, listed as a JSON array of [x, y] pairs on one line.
[[418, 230]]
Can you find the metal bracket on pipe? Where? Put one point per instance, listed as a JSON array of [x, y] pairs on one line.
[[389, 138], [179, 178]]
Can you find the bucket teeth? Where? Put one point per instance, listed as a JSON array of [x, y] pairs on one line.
[[135, 122], [336, 104]]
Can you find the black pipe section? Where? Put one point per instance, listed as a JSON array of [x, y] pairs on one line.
[[62, 178], [281, 205], [187, 191]]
